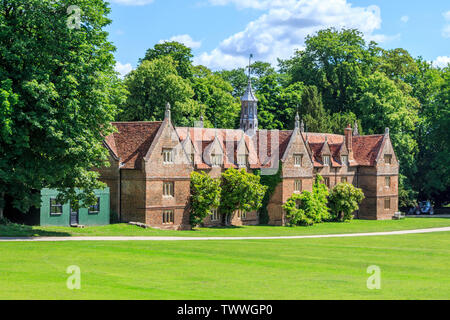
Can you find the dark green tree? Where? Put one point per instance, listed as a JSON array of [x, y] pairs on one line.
[[205, 195], [57, 96]]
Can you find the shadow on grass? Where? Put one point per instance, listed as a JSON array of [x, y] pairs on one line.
[[218, 228], [18, 230]]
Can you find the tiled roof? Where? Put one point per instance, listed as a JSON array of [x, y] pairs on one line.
[[132, 141], [366, 149]]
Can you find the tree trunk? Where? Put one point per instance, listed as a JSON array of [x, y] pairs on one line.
[[2, 195]]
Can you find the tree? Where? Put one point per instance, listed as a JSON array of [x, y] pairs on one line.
[[313, 112], [181, 55], [151, 86], [57, 90], [220, 109], [308, 208], [335, 62], [344, 200], [240, 191], [205, 195]]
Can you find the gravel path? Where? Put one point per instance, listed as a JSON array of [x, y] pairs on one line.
[[368, 234]]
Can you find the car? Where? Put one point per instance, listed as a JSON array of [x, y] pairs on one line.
[[426, 207]]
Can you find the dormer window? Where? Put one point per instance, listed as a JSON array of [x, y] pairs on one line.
[[326, 160], [388, 158], [167, 156], [242, 160], [344, 160], [298, 160], [216, 160]]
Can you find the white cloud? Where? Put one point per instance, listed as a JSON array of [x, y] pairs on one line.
[[132, 2], [283, 27], [186, 40], [446, 28], [404, 19], [441, 61], [123, 69]]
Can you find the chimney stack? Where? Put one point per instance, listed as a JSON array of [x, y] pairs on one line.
[[349, 138]]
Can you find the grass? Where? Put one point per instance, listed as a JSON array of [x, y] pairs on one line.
[[355, 226], [412, 267]]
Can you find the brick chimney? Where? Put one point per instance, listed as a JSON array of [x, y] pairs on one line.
[[349, 141]]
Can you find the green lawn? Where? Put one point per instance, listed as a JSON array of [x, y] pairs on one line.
[[324, 228], [412, 267]]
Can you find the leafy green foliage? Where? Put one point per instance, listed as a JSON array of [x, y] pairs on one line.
[[151, 86], [205, 195], [308, 208], [344, 200], [240, 191], [58, 95], [180, 54], [271, 182]]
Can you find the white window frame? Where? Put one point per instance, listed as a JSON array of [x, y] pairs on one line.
[[168, 189], [298, 160], [167, 155], [326, 160], [96, 207], [387, 182], [387, 201], [298, 185], [214, 214], [168, 217], [344, 160], [242, 160], [56, 205], [216, 160], [386, 157]]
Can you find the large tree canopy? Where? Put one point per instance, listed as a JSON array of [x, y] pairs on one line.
[[57, 87]]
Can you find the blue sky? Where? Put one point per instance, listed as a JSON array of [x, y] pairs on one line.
[[222, 33]]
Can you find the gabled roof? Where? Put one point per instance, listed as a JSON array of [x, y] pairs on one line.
[[366, 149], [131, 141]]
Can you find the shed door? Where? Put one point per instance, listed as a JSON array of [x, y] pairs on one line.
[[73, 217]]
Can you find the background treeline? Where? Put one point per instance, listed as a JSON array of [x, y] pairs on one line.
[[59, 93], [337, 79]]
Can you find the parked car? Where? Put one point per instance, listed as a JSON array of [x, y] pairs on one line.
[[426, 207]]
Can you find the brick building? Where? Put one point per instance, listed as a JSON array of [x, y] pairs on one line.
[[151, 163]]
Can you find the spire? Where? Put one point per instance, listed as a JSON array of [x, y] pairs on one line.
[[249, 105], [167, 114], [356, 129], [297, 121]]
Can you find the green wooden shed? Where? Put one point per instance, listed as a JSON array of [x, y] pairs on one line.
[[53, 213]]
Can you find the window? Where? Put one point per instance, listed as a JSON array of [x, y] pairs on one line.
[[298, 160], [192, 158], [242, 214], [242, 160], [387, 203], [56, 208], [95, 209], [216, 160], [387, 181], [297, 185], [168, 155], [344, 160], [326, 181], [326, 160], [168, 217], [168, 189], [388, 158], [344, 179], [214, 214]]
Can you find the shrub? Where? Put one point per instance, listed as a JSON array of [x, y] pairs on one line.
[[344, 200], [308, 208], [205, 195]]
